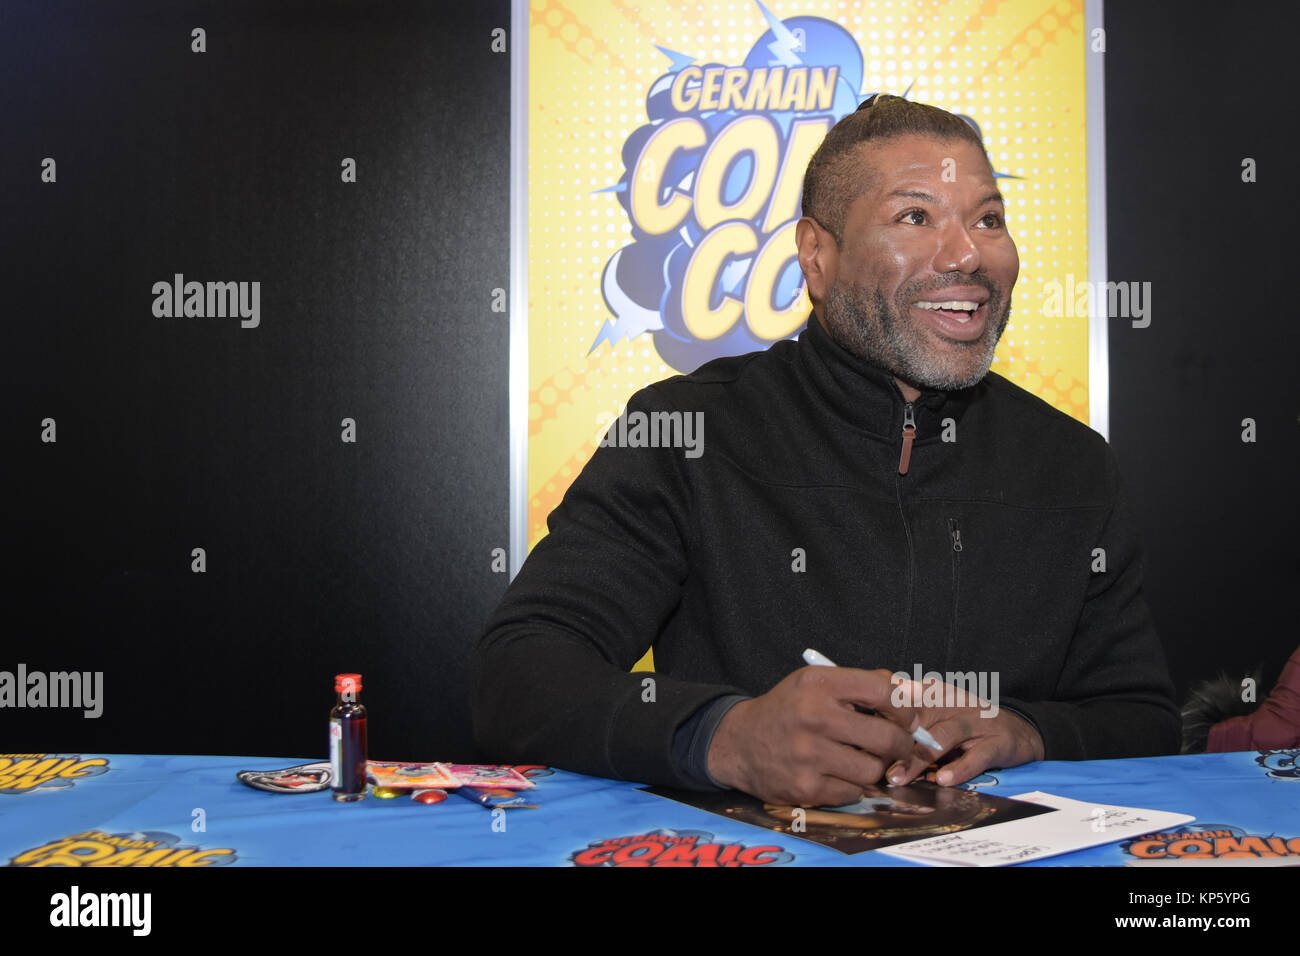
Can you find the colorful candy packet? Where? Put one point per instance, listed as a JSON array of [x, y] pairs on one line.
[[482, 775], [396, 775]]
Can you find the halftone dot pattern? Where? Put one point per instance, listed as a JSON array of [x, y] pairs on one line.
[[546, 398], [1016, 67]]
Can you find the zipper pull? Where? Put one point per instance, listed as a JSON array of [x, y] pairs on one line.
[[909, 433], [955, 532]]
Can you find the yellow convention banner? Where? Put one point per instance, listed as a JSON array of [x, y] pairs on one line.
[[666, 145]]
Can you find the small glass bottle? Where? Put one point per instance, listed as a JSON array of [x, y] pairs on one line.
[[348, 740]]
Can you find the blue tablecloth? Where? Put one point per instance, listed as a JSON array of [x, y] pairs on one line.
[[191, 811]]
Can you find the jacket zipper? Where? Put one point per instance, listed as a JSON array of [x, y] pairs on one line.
[[909, 433], [954, 532]]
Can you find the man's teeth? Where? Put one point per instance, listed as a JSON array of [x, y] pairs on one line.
[[965, 306], [952, 307]]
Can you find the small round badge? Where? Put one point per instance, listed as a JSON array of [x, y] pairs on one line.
[[429, 796]]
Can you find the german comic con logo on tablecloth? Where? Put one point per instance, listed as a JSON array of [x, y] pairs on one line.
[[43, 773], [1281, 764], [152, 848], [677, 848], [712, 188], [1211, 840]]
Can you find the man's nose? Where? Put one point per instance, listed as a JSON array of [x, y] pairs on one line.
[[957, 250]]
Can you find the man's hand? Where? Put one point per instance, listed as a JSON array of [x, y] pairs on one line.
[[803, 742], [1003, 740]]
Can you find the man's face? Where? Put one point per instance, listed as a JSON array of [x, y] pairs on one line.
[[929, 230]]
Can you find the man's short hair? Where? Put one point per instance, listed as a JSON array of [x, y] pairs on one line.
[[836, 176]]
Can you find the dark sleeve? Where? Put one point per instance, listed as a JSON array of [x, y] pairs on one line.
[[692, 739], [550, 680], [1114, 696]]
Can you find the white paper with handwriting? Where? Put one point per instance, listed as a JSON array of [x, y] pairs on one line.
[[1077, 825]]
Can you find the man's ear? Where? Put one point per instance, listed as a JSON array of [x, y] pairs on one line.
[[818, 257]]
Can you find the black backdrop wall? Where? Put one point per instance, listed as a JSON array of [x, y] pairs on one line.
[[1192, 90], [181, 433], [374, 555]]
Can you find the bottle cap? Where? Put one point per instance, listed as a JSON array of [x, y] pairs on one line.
[[347, 682]]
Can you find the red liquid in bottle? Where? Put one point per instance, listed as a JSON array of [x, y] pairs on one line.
[[348, 740]]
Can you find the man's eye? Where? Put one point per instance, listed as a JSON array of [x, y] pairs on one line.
[[997, 220], [912, 212]]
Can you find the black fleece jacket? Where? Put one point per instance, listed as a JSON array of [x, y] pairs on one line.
[[795, 529]]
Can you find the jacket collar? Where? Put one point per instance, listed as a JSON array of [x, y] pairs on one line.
[[867, 396]]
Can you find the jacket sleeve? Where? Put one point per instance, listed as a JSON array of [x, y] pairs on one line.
[[1114, 696], [1275, 725], [550, 680]]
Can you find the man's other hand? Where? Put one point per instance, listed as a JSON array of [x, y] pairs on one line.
[[1001, 740], [804, 743]]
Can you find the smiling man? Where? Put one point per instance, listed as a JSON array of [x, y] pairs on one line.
[[870, 490]]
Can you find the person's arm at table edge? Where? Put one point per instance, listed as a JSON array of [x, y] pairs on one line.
[[548, 698], [551, 678]]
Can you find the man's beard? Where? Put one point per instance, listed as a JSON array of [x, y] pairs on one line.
[[866, 324]]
